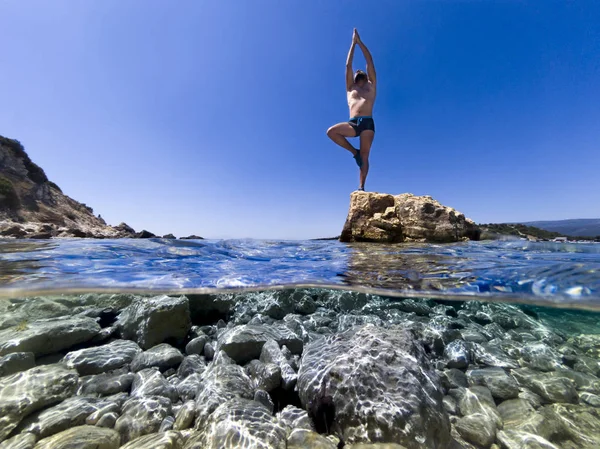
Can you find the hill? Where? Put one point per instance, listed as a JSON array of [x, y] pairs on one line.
[[33, 206], [581, 227]]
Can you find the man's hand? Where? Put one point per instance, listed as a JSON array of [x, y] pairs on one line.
[[355, 37]]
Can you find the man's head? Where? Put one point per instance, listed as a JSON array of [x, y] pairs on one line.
[[360, 78]]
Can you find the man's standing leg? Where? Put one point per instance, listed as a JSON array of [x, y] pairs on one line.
[[366, 140]]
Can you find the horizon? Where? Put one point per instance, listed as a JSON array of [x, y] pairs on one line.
[[209, 118]]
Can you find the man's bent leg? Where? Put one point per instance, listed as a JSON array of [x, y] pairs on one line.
[[366, 140], [338, 134]]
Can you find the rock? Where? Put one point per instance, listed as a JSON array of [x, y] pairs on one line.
[[150, 321], [185, 416], [142, 416], [588, 343], [548, 386], [450, 405], [209, 351], [454, 378], [581, 425], [294, 418], [478, 401], [477, 429], [110, 408], [150, 382], [108, 421], [82, 437], [103, 358], [71, 412], [28, 391], [167, 424], [191, 237], [162, 356], [16, 362], [515, 439], [491, 355], [533, 399], [244, 343], [375, 446], [243, 423], [458, 354], [144, 235], [501, 385], [382, 372], [271, 353], [412, 306], [302, 439], [169, 236], [162, 440], [220, 383], [196, 345], [539, 356], [47, 336], [188, 387], [190, 365], [263, 398], [106, 384], [266, 376], [20, 441], [376, 217], [590, 399]]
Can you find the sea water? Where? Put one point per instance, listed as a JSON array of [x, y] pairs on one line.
[[468, 345]]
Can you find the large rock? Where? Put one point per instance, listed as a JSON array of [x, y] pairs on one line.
[[44, 337], [105, 384], [371, 384], [242, 423], [82, 437], [162, 440], [150, 382], [150, 321], [26, 392], [161, 356], [502, 385], [16, 362], [103, 358], [142, 416], [378, 217], [244, 343], [71, 412]]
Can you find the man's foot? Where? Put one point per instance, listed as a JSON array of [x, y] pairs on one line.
[[358, 159], [361, 189]]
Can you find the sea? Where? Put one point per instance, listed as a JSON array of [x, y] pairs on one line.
[[557, 284]]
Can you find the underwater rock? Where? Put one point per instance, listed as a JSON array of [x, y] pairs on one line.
[[244, 343], [294, 418], [28, 391], [162, 356], [103, 358], [540, 356], [190, 365], [377, 217], [302, 439], [453, 378], [272, 354], [150, 321], [106, 384], [69, 413], [458, 354], [163, 440], [477, 429], [266, 376], [551, 387], [243, 423], [187, 388], [16, 362], [515, 439], [142, 416], [20, 441], [196, 345], [501, 385], [82, 437], [44, 337], [185, 416], [220, 383], [492, 355], [383, 373], [150, 382]]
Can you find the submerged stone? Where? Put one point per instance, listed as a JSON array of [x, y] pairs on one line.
[[82, 437], [103, 358]]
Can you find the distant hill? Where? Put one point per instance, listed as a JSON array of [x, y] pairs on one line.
[[518, 230], [581, 227]]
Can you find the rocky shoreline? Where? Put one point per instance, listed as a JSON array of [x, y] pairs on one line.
[[305, 368]]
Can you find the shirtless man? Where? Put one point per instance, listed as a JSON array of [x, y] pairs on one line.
[[360, 90]]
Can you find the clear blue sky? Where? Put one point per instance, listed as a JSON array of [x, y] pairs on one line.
[[209, 117]]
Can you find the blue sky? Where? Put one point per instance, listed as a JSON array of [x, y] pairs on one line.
[[209, 117]]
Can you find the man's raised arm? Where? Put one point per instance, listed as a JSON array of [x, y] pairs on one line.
[[349, 74], [370, 66]]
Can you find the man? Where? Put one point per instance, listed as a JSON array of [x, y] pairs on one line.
[[360, 90]]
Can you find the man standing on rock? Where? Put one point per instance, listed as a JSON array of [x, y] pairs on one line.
[[360, 90]]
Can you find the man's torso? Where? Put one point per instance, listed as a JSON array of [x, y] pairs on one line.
[[361, 100]]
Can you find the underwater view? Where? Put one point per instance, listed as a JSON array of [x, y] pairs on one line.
[[162, 343]]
